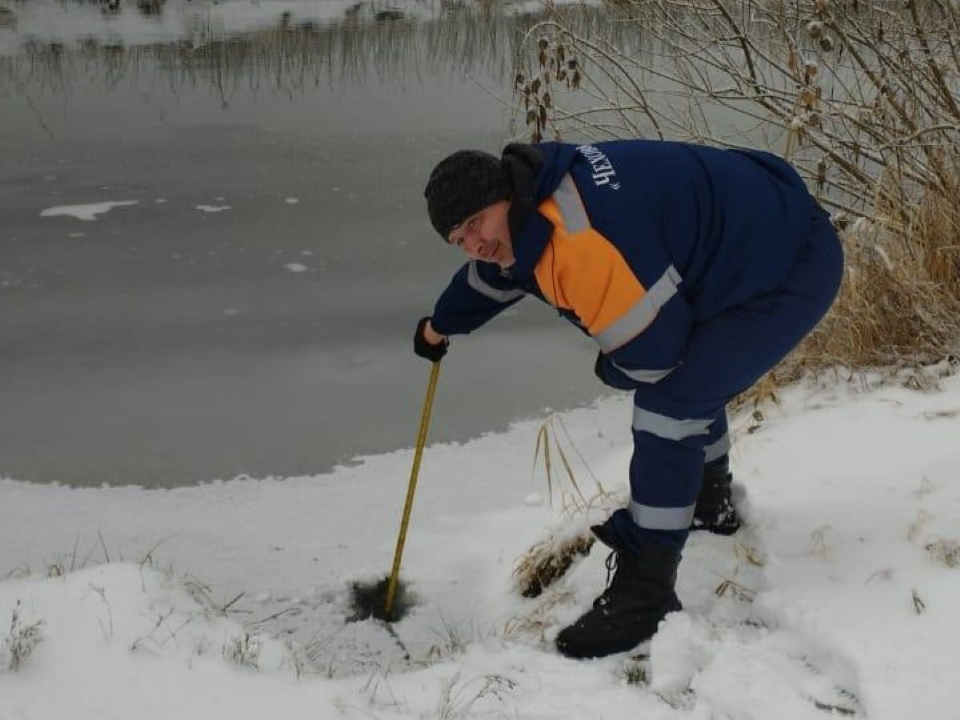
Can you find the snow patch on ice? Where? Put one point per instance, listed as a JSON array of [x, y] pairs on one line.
[[86, 212]]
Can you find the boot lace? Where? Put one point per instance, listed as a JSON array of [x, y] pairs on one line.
[[611, 565]]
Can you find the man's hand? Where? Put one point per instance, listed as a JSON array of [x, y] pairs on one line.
[[427, 343]]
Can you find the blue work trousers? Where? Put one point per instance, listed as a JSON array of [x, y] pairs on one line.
[[680, 422]]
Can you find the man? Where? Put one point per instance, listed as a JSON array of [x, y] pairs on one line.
[[694, 269]]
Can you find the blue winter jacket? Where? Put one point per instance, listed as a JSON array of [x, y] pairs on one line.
[[637, 242]]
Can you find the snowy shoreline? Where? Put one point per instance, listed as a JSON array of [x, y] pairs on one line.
[[837, 598]]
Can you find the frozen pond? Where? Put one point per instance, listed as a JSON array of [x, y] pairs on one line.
[[214, 247]]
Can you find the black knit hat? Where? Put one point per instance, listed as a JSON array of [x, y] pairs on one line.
[[462, 184]]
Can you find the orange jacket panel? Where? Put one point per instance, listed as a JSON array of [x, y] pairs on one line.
[[586, 274]]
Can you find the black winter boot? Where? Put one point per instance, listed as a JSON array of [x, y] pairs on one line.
[[715, 511], [628, 612]]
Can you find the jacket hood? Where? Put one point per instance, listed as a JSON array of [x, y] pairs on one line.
[[535, 172], [522, 163]]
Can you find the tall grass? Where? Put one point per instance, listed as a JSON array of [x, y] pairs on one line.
[[291, 57]]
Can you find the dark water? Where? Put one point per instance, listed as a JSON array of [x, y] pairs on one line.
[[161, 344]]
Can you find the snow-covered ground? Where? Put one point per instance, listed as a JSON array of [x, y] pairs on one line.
[[231, 600]]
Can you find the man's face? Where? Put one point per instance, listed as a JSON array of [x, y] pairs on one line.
[[485, 235]]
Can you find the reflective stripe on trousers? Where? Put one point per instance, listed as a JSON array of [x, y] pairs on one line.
[[654, 517]]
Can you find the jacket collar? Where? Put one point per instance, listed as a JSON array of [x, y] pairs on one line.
[[529, 230]]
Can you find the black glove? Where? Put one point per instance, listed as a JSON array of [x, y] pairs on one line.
[[427, 350]]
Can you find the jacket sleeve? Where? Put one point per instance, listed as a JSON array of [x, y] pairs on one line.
[[653, 353], [477, 293]]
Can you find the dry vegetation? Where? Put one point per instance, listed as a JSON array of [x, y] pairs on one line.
[[21, 639], [288, 58], [864, 97]]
